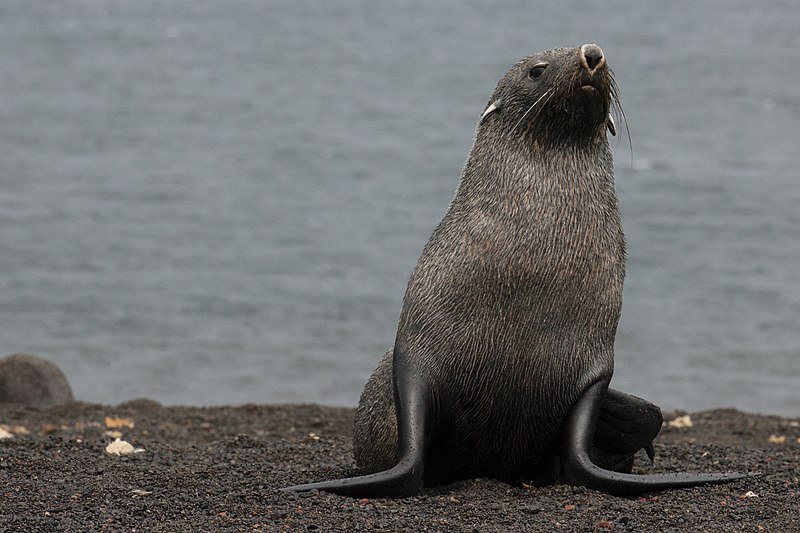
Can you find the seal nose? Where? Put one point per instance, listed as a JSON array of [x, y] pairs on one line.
[[592, 57]]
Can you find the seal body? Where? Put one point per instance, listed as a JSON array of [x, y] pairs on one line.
[[513, 306], [505, 344]]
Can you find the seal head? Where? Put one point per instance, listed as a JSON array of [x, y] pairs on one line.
[[556, 96]]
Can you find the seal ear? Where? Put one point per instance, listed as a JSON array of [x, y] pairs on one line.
[[494, 106], [611, 126]]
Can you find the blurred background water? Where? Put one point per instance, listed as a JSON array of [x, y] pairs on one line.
[[208, 202]]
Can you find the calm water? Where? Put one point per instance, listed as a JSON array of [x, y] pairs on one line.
[[221, 202]]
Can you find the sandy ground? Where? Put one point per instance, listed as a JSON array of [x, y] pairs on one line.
[[220, 468]]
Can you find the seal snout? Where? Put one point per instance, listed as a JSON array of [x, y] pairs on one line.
[[592, 57]]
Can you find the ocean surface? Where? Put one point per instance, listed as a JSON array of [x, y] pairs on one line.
[[208, 202]]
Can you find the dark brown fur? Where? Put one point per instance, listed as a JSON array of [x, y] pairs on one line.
[[513, 306]]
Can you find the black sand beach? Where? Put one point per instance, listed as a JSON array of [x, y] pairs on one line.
[[220, 468]]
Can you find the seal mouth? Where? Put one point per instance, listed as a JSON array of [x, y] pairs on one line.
[[590, 83], [591, 97]]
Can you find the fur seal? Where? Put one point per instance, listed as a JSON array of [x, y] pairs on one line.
[[505, 344], [30, 380]]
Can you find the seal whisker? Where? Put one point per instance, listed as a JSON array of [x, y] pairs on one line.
[[545, 104], [616, 108], [531, 108]]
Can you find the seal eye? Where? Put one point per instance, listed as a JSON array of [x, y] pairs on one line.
[[536, 71]]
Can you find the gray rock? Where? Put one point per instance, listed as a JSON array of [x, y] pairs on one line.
[[30, 380]]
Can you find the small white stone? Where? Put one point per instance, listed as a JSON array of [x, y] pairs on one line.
[[684, 421], [121, 447]]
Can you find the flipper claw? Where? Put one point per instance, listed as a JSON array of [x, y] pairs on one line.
[[650, 451]]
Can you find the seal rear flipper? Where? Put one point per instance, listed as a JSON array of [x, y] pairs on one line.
[[578, 469], [625, 425], [406, 478]]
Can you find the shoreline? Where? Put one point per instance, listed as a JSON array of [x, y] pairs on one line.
[[221, 468]]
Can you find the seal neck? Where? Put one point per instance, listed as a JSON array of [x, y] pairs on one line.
[[500, 162]]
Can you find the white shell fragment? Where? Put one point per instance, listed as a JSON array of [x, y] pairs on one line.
[[684, 421], [5, 434], [121, 447]]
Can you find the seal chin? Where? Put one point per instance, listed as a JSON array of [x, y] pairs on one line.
[[592, 100]]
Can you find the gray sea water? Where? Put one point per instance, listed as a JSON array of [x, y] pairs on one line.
[[207, 202]]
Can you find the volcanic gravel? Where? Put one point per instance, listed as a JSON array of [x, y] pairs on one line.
[[221, 468]]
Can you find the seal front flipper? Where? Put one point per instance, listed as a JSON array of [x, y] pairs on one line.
[[625, 425], [406, 478], [578, 469]]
